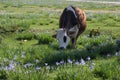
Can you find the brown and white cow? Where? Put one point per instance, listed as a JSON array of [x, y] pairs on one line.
[[72, 23]]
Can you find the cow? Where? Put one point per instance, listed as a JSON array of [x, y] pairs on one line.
[[72, 23]]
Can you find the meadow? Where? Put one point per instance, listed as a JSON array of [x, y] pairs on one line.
[[28, 51]]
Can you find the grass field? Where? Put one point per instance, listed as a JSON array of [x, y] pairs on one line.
[[28, 51]]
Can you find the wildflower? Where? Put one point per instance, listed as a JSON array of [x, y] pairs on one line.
[[28, 65], [38, 68], [46, 64], [92, 66], [117, 53], [69, 61], [88, 58], [57, 63], [77, 63], [62, 62], [15, 57], [108, 55], [6, 60], [82, 62], [11, 66], [16, 63], [23, 55], [37, 61]]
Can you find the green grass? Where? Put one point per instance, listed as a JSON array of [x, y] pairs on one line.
[[28, 51]]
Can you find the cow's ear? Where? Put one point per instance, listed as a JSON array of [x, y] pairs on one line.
[[54, 36]]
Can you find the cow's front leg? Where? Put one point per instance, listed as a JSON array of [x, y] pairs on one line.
[[73, 40]]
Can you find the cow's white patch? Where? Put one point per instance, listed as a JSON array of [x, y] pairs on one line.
[[60, 37], [74, 30], [69, 8]]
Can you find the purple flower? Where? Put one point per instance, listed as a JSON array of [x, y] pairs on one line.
[[9, 67], [62, 62], [77, 63], [69, 61], [88, 58], [28, 65], [92, 65]]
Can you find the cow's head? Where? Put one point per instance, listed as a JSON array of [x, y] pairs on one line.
[[63, 36]]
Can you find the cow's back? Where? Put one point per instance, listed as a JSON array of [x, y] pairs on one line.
[[66, 19], [81, 20]]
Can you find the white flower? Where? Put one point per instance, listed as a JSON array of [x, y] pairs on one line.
[[108, 55], [46, 64], [57, 63], [6, 60], [38, 68], [88, 58], [15, 57], [37, 61], [116, 54], [23, 56], [82, 62]]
